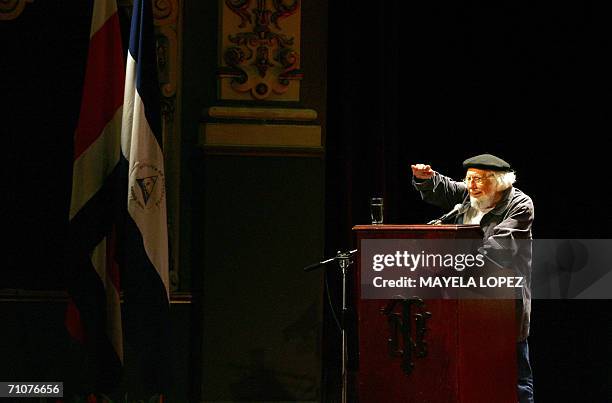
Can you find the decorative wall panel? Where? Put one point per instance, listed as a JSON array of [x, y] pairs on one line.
[[259, 55]]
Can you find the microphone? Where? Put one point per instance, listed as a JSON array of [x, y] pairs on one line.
[[450, 214], [339, 256], [313, 266]]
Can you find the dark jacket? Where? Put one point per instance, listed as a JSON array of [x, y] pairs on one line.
[[506, 229]]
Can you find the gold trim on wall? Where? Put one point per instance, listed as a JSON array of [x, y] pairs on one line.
[[260, 135], [227, 112]]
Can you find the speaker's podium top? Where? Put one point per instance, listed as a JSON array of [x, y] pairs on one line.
[[449, 231]]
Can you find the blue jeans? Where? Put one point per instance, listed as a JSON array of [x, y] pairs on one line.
[[525, 377]]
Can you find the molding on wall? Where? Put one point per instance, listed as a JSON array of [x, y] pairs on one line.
[[58, 296], [286, 152], [245, 135], [261, 131], [284, 114]]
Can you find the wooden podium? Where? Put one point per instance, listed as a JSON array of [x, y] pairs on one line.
[[437, 351]]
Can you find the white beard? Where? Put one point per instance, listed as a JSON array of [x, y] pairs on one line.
[[482, 203]]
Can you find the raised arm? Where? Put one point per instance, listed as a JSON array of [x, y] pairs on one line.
[[436, 188]]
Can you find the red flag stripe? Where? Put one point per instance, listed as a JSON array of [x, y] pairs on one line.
[[92, 168], [96, 154], [100, 83], [73, 322]]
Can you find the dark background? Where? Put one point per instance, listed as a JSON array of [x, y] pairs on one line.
[[438, 82], [41, 82], [407, 82]]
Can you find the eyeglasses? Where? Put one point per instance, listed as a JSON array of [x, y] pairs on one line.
[[476, 179]]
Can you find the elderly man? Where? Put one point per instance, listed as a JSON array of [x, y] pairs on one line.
[[487, 197]]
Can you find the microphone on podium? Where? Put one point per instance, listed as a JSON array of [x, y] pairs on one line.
[[450, 214]]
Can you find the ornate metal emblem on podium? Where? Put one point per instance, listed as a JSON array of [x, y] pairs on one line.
[[401, 341]]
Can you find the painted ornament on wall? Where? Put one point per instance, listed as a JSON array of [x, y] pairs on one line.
[[259, 52]]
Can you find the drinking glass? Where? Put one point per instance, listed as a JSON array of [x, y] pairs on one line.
[[376, 210]]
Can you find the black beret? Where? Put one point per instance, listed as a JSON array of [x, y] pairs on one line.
[[487, 161]]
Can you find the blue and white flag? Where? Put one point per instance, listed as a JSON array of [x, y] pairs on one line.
[[145, 244]]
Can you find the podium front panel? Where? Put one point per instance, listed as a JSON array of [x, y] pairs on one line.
[[467, 353]]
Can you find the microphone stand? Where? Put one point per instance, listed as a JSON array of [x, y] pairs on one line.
[[344, 261]]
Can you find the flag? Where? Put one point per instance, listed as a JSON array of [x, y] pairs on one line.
[[118, 227], [144, 242], [93, 316]]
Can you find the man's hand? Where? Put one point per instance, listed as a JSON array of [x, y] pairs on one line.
[[422, 171]]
